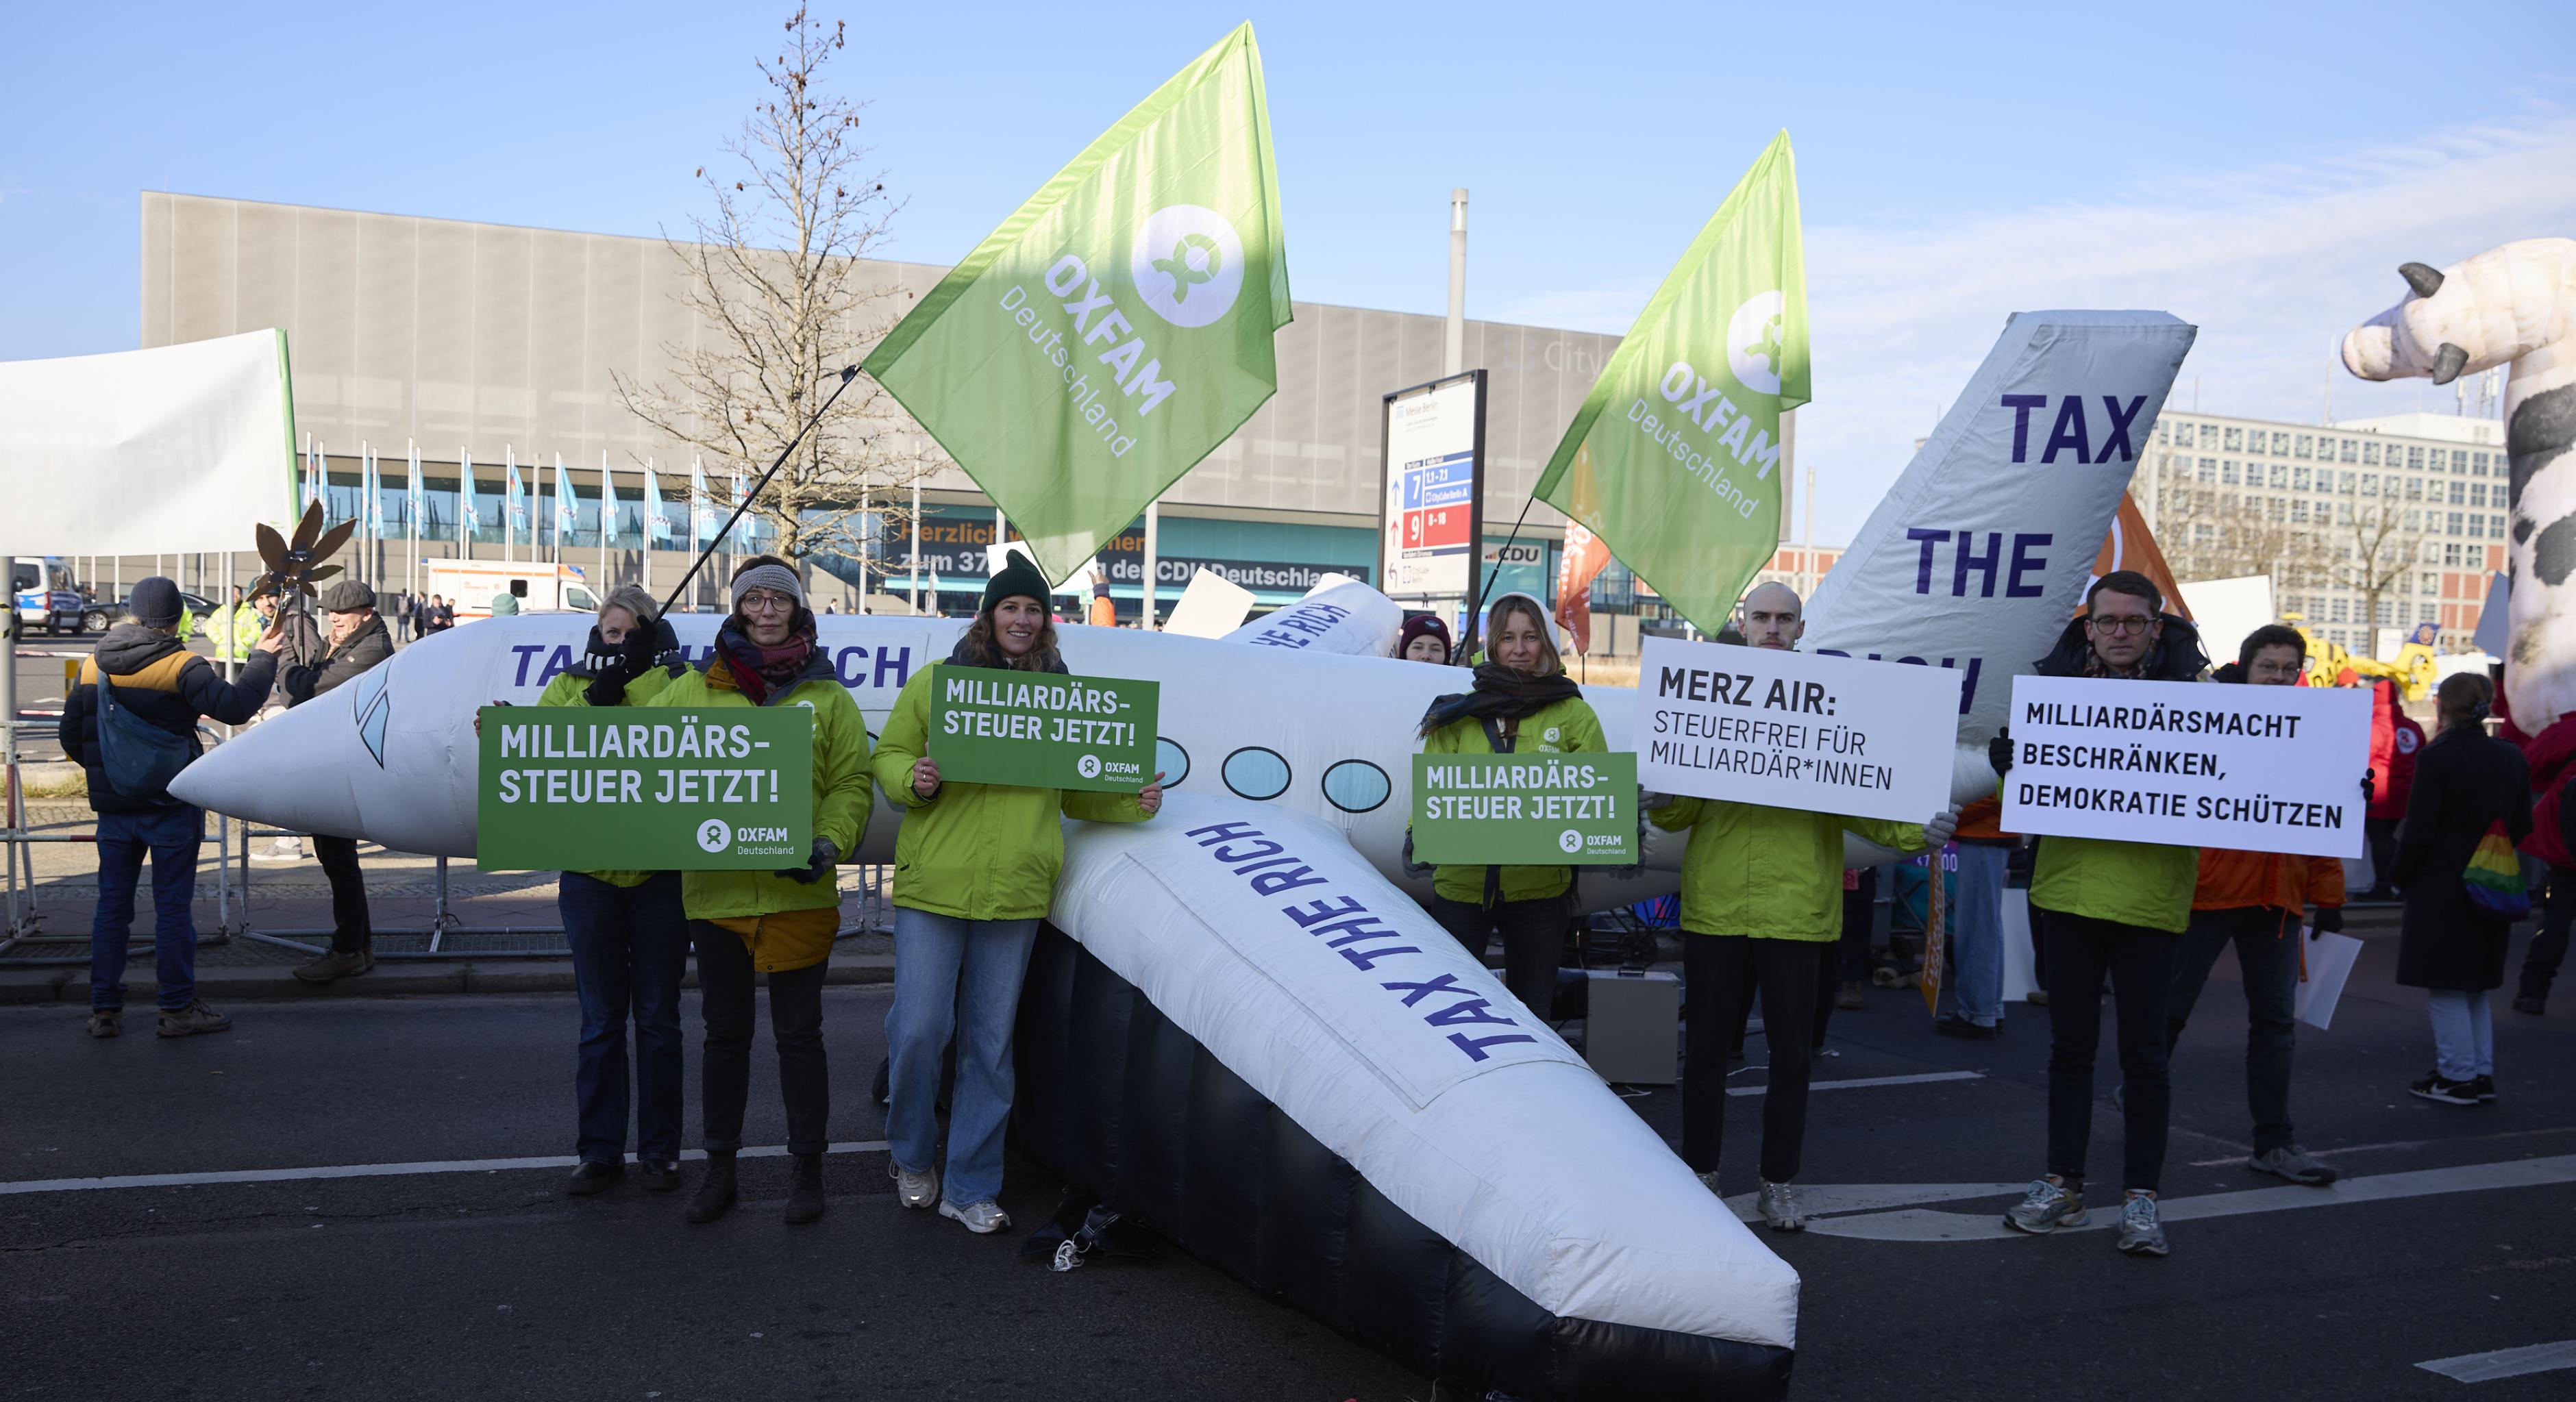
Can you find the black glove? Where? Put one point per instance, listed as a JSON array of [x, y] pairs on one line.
[[2366, 776], [1413, 868], [611, 668], [1999, 752], [826, 856], [2328, 921]]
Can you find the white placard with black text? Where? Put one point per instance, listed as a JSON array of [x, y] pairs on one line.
[[2190, 764], [1795, 730]]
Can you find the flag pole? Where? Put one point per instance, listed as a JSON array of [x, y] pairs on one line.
[[1484, 582], [848, 373]]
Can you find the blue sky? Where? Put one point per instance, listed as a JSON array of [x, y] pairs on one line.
[[2257, 169]]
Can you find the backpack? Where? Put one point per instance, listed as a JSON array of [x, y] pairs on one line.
[[2493, 877], [137, 758]]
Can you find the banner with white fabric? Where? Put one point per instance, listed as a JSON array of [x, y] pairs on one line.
[[163, 451]]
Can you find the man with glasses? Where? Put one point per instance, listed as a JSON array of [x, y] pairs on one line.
[[2110, 908]]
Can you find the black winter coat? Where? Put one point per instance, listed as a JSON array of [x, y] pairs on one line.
[[163, 684], [370, 646], [2464, 781]]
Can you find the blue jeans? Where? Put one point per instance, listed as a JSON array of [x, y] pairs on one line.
[[630, 946], [960, 976], [1977, 935], [171, 835]]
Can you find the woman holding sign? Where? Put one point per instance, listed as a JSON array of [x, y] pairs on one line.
[[629, 941], [975, 869], [780, 923], [1523, 703]]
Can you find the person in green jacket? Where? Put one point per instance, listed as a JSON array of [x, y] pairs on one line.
[[975, 869], [2115, 909], [1522, 703], [234, 628], [629, 938], [782, 923], [1762, 903]]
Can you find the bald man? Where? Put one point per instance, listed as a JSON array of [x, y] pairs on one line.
[[1762, 906]]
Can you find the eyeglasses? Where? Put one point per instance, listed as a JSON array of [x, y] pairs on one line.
[[766, 601], [2100, 624]]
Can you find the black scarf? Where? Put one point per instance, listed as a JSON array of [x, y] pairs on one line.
[[1500, 694]]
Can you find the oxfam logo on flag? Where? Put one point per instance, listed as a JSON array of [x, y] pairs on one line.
[[714, 836], [1187, 263], [1569, 841], [1089, 766], [1753, 337]]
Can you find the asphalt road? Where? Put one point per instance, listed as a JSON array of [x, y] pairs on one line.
[[489, 1283]]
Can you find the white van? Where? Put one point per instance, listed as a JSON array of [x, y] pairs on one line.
[[471, 585]]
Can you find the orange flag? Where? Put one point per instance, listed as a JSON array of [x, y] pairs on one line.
[[1585, 556], [2131, 546]]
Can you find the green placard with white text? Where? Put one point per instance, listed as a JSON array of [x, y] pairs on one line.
[[1042, 730], [1526, 810], [644, 788]]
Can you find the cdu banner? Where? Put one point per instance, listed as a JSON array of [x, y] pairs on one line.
[[1674, 459], [1118, 327]]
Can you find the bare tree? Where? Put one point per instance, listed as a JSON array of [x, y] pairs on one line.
[[782, 302], [2376, 555], [2207, 533]]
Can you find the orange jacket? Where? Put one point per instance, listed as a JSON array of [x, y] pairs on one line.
[[2232, 880]]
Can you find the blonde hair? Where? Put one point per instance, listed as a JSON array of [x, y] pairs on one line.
[[635, 600], [1551, 662]]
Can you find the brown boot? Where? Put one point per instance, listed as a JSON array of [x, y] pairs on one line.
[[193, 1019], [106, 1022], [338, 964]]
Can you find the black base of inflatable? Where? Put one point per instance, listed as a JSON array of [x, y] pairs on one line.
[[1115, 1098]]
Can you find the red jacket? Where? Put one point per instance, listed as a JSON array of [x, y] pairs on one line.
[[2394, 739], [2552, 757]]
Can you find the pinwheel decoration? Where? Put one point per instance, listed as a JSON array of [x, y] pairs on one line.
[[297, 565]]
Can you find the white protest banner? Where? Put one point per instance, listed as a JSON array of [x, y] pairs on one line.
[[1794, 730], [2189, 764]]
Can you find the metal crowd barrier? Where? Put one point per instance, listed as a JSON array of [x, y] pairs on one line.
[[24, 915]]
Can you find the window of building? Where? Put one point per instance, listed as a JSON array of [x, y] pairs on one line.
[[2348, 446], [2495, 528], [2415, 459], [2410, 519], [2481, 469], [2370, 484], [2477, 494], [2450, 556], [2455, 523], [2235, 439], [2343, 483], [2209, 435], [2209, 471], [2438, 460], [2342, 610], [2424, 584], [2306, 445], [2275, 508], [2459, 493], [2414, 489], [2203, 533], [2227, 472], [2481, 463], [2298, 479], [2280, 445], [2325, 449], [2299, 512], [2370, 454], [2280, 475], [2343, 516]]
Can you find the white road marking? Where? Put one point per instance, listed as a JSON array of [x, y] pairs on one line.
[[367, 1170], [1818, 1198], [1919, 1224], [1862, 1082], [2505, 1362]]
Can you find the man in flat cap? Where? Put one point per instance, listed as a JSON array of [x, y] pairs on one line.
[[359, 641]]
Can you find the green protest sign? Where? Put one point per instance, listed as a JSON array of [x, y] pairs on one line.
[[1526, 810], [573, 788], [1042, 731]]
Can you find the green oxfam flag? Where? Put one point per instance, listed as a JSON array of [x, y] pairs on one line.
[[1674, 459], [1118, 327]]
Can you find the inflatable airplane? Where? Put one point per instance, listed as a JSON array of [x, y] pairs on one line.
[[1242, 1028], [2511, 305]]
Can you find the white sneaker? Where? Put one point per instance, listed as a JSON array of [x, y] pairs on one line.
[[1708, 1180], [285, 849], [914, 1189], [982, 1218]]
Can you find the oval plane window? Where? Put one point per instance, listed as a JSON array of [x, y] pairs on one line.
[[1255, 773], [1356, 786], [1172, 760]]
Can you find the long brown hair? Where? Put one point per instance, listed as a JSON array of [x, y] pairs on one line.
[[1551, 662], [980, 644]]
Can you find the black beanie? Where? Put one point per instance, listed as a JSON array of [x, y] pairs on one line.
[[1020, 578], [154, 603]]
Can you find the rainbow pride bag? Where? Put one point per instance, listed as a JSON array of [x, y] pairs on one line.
[[2493, 877]]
